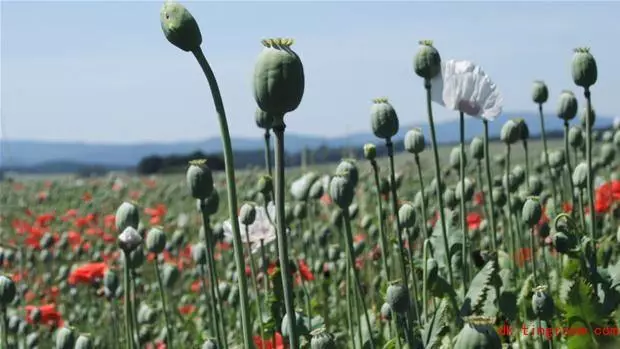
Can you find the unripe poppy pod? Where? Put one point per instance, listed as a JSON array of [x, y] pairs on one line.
[[561, 242], [300, 210], [179, 26], [575, 136], [455, 158], [586, 115], [341, 191], [608, 137], [540, 92], [247, 214], [210, 205], [519, 174], [279, 79], [406, 215], [370, 151], [316, 190], [110, 281], [129, 239], [510, 132], [83, 342], [263, 119], [580, 175], [265, 184], [321, 339], [299, 325], [542, 303], [524, 130], [349, 169], [427, 61], [567, 105], [584, 68], [536, 186], [397, 296], [414, 141], [476, 148], [127, 215], [210, 344], [156, 241], [468, 192], [7, 290], [432, 270], [35, 315], [449, 198], [557, 159], [199, 179], [65, 338], [478, 333], [532, 211], [383, 119]]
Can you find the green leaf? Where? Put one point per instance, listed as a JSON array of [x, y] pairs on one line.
[[483, 283], [436, 327], [582, 303], [391, 344]]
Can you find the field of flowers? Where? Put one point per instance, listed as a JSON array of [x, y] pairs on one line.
[[481, 246]]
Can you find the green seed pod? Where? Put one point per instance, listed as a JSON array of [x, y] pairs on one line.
[[199, 253], [32, 340], [455, 158], [397, 296], [500, 160], [468, 192], [247, 214], [499, 196], [156, 241], [567, 105], [279, 79], [127, 215], [584, 69], [519, 174], [348, 168], [476, 148], [532, 211], [608, 153], [524, 130], [210, 344], [585, 115], [321, 339], [510, 182], [542, 303], [449, 198], [575, 136], [263, 119], [510, 132], [47, 240], [386, 312], [557, 159], [370, 151], [561, 242], [301, 187], [7, 290], [35, 315], [406, 215], [414, 141], [264, 184], [129, 239], [180, 27], [383, 119], [478, 333], [427, 61], [83, 342], [65, 338], [316, 190], [199, 179], [170, 275], [540, 92], [536, 186], [580, 175], [384, 186], [341, 191]]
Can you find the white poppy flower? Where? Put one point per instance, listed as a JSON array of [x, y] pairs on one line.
[[464, 86], [261, 229]]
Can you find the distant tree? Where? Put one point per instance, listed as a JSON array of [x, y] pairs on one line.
[[150, 165]]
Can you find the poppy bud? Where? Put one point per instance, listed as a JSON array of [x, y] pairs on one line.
[[263, 119], [427, 61], [519, 174], [83, 342], [155, 240], [386, 312], [321, 339], [264, 184], [397, 296], [468, 192], [7, 290], [279, 79], [129, 239], [383, 119], [316, 190], [406, 215], [567, 105], [542, 303], [210, 344], [180, 27], [540, 93], [65, 338], [580, 175], [199, 179], [584, 69], [199, 254], [449, 198], [170, 275], [455, 158], [348, 168], [536, 186], [127, 215], [478, 332], [510, 132], [531, 212], [476, 148], [575, 136], [524, 130], [370, 151], [341, 191], [414, 141], [247, 214], [585, 115]]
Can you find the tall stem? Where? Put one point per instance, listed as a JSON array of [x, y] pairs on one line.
[[259, 308], [278, 130], [527, 165], [126, 295], [383, 239], [509, 207], [586, 93], [5, 328], [569, 167], [215, 317], [162, 296], [268, 151], [487, 165], [232, 195], [533, 248], [424, 212], [463, 208], [548, 166], [442, 214]]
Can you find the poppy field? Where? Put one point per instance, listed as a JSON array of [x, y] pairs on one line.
[[510, 243]]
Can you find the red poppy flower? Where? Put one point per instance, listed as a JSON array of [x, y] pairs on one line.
[[473, 220], [479, 198], [268, 343], [87, 197], [87, 273], [49, 315], [304, 270], [187, 309], [523, 255]]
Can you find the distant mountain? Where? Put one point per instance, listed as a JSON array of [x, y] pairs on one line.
[[28, 154]]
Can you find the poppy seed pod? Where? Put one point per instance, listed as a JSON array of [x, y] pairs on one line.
[[386, 312], [532, 211], [468, 192], [127, 215], [449, 198], [406, 215], [83, 342], [180, 27], [557, 159], [519, 174], [585, 115], [263, 119], [414, 141], [210, 344], [567, 105], [65, 338], [349, 169], [199, 179], [341, 191], [279, 79], [608, 136], [455, 158], [155, 240], [536, 186], [524, 130], [129, 239], [397, 296], [427, 61], [478, 333], [383, 119], [584, 69], [300, 210], [580, 175], [575, 136], [247, 214], [510, 132], [210, 205], [370, 151], [264, 184], [7, 290], [321, 339], [542, 303], [316, 190], [476, 148], [540, 92]]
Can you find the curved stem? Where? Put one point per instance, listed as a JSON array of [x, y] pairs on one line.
[[162, 295], [383, 239], [267, 152], [462, 202], [259, 308], [427, 86], [232, 195], [544, 138], [569, 167], [278, 130]]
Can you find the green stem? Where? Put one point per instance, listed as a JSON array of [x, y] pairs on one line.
[[278, 130], [232, 195], [5, 328], [162, 295], [425, 255], [484, 197], [533, 248], [569, 167], [462, 202], [215, 329], [586, 93], [509, 206], [383, 239], [259, 308], [581, 210], [548, 166], [268, 151], [424, 212], [126, 295], [215, 316], [427, 86], [347, 291], [527, 165], [491, 203]]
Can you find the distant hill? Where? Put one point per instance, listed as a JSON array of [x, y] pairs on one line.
[[46, 156]]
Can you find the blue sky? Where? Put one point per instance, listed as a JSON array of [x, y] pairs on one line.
[[103, 71]]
